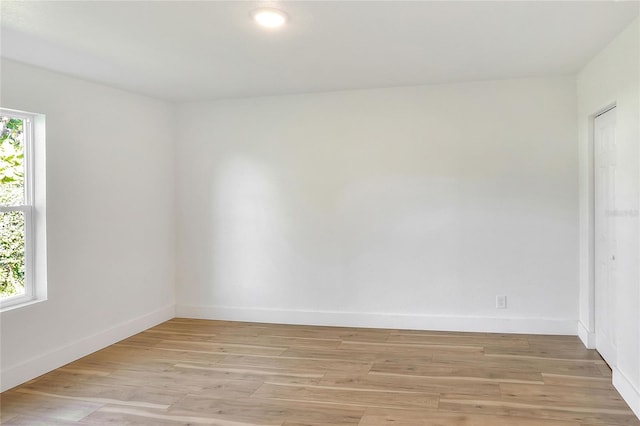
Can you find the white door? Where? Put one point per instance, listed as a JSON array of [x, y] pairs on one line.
[[605, 234]]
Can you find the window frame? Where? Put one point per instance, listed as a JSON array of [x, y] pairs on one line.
[[28, 208]]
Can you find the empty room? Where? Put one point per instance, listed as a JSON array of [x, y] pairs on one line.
[[291, 213]]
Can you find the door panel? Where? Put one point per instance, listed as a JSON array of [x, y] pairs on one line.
[[605, 232]]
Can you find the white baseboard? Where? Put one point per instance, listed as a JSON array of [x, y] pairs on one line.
[[588, 338], [628, 391], [41, 364], [382, 320]]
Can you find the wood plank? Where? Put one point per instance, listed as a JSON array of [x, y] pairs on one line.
[[17, 403], [387, 417], [255, 409], [111, 415], [352, 397], [411, 383], [568, 412]]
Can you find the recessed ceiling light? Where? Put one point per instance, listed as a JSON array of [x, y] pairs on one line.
[[270, 18]]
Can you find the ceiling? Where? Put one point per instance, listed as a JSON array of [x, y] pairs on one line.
[[183, 50]]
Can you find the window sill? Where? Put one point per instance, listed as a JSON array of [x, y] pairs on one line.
[[19, 305]]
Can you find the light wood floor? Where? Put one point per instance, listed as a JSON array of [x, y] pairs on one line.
[[226, 373]]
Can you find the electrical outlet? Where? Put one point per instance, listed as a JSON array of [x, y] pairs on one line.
[[501, 302]]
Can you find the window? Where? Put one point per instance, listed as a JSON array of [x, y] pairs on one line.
[[21, 208]]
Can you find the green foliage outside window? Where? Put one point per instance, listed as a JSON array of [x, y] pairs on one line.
[[12, 237]]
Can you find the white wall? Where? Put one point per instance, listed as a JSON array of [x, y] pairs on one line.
[[110, 222], [403, 207], [613, 77]]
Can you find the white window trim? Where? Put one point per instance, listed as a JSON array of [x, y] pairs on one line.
[[34, 211]]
